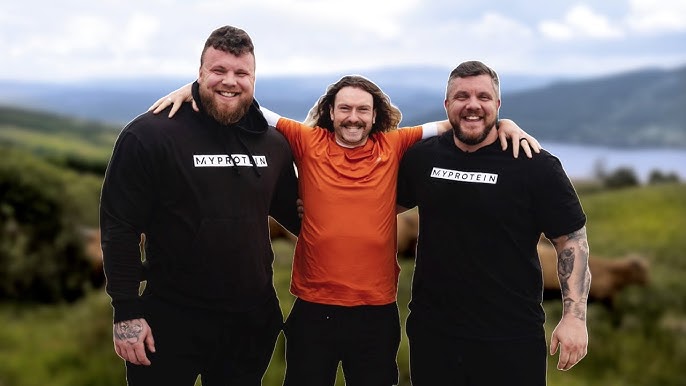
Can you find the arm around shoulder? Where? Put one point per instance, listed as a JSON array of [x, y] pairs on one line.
[[271, 117], [507, 128]]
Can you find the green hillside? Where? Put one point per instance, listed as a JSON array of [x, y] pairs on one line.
[[71, 345], [637, 109], [80, 144], [55, 162]]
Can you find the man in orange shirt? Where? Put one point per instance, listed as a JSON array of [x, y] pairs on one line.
[[345, 271]]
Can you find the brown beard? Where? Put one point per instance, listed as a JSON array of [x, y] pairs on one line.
[[221, 114], [459, 134]]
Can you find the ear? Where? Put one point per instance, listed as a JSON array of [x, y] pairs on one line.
[[331, 113]]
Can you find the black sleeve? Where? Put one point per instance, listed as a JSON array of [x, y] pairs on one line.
[[283, 207], [125, 203], [406, 193], [559, 210]]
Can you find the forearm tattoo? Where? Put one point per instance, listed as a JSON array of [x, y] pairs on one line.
[[128, 330], [575, 247], [565, 266]]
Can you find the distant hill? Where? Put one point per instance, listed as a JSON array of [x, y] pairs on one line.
[[637, 109], [81, 144], [415, 90]]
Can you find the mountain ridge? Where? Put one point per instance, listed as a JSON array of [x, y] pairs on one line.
[[641, 108]]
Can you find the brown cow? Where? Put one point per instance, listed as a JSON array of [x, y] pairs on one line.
[[91, 239], [609, 276], [408, 228]]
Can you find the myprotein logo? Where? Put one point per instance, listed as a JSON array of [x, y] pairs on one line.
[[227, 160], [457, 175]]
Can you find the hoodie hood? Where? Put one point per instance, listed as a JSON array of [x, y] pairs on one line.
[[253, 122]]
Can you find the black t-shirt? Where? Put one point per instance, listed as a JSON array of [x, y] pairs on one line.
[[481, 215]]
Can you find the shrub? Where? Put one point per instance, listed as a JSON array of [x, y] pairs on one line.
[[657, 177], [621, 178], [41, 250]]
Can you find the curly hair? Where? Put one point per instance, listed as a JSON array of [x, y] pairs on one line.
[[388, 116], [229, 39]]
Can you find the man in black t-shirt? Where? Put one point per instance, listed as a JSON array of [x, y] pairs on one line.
[[475, 315]]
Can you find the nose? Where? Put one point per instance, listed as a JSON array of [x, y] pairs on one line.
[[354, 116], [473, 103], [229, 79]]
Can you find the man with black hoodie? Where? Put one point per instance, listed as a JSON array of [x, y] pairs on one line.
[[200, 188]]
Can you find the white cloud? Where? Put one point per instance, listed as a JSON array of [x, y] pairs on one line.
[[652, 17], [580, 22], [355, 17], [76, 39], [139, 32], [78, 35], [555, 30]]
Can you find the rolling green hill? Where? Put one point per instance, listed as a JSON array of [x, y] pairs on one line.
[[81, 144], [637, 109], [633, 109], [41, 346]]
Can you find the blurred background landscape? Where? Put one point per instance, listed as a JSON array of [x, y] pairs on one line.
[[603, 87]]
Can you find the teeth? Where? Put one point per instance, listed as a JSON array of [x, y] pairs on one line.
[[472, 118], [227, 94]]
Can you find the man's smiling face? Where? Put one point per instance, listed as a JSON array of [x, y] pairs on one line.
[[472, 105], [227, 84]]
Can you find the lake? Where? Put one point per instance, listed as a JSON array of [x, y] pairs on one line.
[[581, 161]]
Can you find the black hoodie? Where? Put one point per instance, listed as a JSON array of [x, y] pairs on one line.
[[201, 193]]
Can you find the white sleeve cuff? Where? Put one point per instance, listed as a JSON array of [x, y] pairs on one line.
[[271, 117], [429, 130]]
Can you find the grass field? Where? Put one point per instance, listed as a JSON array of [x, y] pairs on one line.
[[70, 345]]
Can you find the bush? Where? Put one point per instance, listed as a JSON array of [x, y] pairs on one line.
[[41, 250], [621, 178], [657, 177]]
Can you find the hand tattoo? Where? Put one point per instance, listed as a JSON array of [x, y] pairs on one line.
[[128, 330]]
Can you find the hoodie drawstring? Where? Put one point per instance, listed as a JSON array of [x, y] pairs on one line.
[[250, 156]]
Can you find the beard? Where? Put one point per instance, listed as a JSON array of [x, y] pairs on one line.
[[471, 139], [222, 114]]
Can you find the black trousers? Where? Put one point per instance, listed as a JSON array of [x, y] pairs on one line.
[[437, 358], [224, 349], [364, 339]]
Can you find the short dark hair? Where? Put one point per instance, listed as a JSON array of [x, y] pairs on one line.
[[387, 115], [229, 39], [475, 68]]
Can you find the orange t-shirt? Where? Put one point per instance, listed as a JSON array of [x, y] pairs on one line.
[[346, 251]]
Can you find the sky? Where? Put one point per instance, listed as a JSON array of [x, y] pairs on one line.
[[70, 40]]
